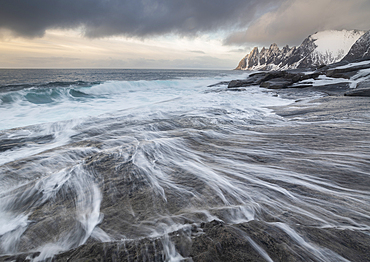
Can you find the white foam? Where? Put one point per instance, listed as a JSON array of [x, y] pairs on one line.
[[107, 97], [10, 221], [12, 227]]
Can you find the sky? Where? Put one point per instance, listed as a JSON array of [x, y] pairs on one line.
[[161, 33]]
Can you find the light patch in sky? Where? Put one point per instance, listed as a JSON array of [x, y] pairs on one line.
[[294, 20], [69, 49]]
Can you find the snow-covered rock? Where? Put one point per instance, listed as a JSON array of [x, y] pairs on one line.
[[325, 47], [360, 50]]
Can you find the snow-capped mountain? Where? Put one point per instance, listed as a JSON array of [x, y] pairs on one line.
[[360, 50], [325, 47]]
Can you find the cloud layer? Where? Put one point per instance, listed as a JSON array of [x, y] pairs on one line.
[[294, 20], [251, 22], [139, 18]]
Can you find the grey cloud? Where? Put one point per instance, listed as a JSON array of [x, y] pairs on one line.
[[137, 18], [294, 20], [197, 52], [204, 62], [241, 50]]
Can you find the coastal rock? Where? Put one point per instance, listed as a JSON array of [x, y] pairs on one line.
[[359, 92], [363, 84], [337, 89], [301, 79], [220, 84], [273, 79], [346, 71], [216, 241], [7, 144], [277, 83], [240, 83]]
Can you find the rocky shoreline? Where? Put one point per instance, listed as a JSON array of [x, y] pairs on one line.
[[257, 241], [270, 238], [342, 72]]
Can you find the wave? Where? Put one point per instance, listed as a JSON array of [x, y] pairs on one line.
[[56, 101], [43, 93], [41, 96], [61, 101], [59, 91], [56, 84]]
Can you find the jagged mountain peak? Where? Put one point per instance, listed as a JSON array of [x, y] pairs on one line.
[[254, 51], [324, 47], [274, 46]]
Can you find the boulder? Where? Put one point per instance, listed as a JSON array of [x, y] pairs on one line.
[[240, 83], [277, 83]]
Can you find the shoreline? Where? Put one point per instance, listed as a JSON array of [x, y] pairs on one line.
[[318, 155]]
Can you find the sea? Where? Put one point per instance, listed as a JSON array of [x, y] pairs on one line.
[[116, 155]]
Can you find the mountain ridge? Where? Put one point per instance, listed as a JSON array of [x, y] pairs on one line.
[[325, 47]]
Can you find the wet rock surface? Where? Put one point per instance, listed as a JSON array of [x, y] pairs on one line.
[[279, 235], [7, 144], [217, 241], [358, 92]]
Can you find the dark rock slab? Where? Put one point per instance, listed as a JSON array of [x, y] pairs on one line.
[[346, 72], [352, 245], [10, 143], [212, 241], [313, 75], [277, 83], [333, 89], [359, 92], [273, 79], [363, 84], [220, 84], [240, 83], [215, 241], [285, 79]]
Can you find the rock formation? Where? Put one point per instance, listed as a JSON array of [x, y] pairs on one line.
[[324, 47]]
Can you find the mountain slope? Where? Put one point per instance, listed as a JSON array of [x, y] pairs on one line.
[[360, 50], [324, 47]]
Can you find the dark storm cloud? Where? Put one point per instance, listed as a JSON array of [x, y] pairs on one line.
[[138, 18]]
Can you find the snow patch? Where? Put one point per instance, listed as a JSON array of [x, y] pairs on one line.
[[333, 45]]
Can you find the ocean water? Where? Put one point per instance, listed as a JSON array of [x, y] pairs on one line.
[[123, 155], [30, 97]]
